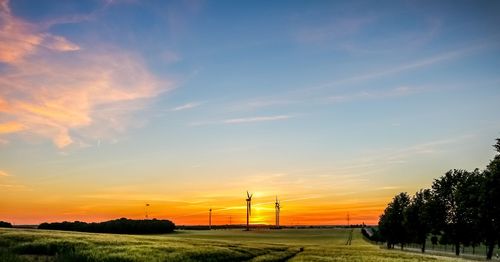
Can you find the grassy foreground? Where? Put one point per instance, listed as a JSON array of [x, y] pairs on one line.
[[215, 245]]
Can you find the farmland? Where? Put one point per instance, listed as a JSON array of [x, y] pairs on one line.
[[215, 245]]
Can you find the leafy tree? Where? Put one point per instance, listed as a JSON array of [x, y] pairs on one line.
[[417, 217], [468, 203], [391, 221], [447, 190], [489, 214]]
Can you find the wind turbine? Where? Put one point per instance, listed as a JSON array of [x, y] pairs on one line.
[[277, 207], [249, 209]]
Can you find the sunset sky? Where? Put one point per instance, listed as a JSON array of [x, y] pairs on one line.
[[333, 106]]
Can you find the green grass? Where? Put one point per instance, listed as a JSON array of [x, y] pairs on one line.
[[215, 245]]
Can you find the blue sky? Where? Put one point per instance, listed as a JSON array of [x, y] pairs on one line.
[[346, 102]]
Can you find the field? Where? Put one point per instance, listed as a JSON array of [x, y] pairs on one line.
[[215, 245]]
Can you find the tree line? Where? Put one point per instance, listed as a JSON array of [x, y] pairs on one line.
[[117, 226], [461, 208]]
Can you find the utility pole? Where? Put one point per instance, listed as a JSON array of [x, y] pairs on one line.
[[210, 219], [277, 207]]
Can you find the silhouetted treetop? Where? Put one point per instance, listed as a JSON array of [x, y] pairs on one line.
[[497, 145], [5, 224]]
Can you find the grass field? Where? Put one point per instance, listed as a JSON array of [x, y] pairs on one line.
[[215, 245]]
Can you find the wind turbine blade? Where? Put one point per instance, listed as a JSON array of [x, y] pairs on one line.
[[248, 195]]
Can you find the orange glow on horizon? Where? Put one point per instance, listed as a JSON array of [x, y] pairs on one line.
[[306, 212]]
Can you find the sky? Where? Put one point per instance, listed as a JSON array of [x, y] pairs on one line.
[[333, 106]]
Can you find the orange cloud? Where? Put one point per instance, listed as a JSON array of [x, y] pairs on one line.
[[50, 92], [10, 127]]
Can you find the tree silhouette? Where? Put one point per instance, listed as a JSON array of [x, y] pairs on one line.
[[489, 213], [468, 202], [447, 193], [391, 222], [5, 224], [417, 217]]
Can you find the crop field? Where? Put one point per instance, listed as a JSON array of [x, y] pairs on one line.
[[215, 245]]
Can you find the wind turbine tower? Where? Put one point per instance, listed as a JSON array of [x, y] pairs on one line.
[[277, 207], [249, 209]]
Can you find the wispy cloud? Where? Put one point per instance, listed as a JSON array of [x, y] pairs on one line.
[[388, 188], [3, 173], [186, 106], [334, 30], [363, 95], [316, 93], [52, 88], [407, 40], [431, 60], [403, 155], [256, 119], [19, 38]]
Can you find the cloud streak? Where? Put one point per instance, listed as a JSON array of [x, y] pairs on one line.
[[244, 120], [256, 119], [403, 67], [314, 94], [186, 106], [339, 28], [394, 92]]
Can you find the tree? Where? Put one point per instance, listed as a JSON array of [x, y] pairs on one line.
[[417, 217], [391, 221], [434, 241], [489, 214], [446, 193], [468, 203], [5, 224]]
